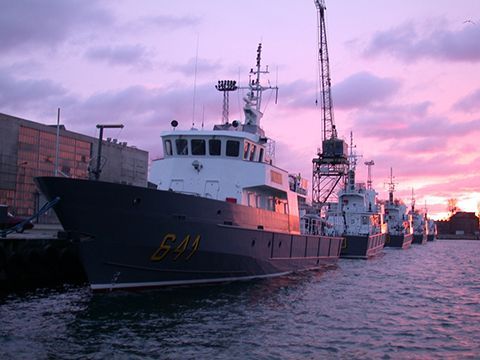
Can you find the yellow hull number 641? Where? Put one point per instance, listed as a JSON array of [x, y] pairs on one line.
[[167, 245]]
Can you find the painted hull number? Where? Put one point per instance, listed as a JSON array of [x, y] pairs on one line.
[[182, 250]]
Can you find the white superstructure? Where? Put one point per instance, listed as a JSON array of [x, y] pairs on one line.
[[234, 162]]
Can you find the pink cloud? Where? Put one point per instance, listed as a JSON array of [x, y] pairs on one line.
[[363, 89], [170, 22], [118, 55], [469, 103], [406, 42], [18, 94], [47, 23], [407, 122], [201, 65]]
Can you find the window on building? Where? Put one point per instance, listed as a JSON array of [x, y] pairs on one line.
[[214, 147], [182, 146], [233, 148], [198, 147]]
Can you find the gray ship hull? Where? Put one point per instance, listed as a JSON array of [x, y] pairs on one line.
[[402, 241], [419, 239], [362, 246], [133, 237]]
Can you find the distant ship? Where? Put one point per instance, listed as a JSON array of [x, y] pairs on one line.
[[419, 226], [359, 218], [399, 229], [431, 229], [222, 211]]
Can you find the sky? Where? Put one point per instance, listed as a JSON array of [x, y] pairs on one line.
[[405, 78]]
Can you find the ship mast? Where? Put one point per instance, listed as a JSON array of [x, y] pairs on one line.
[[352, 165], [369, 172], [391, 187], [253, 100], [413, 202]]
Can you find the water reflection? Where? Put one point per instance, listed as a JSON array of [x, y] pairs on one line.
[[419, 303]]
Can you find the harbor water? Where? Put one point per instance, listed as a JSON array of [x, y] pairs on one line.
[[420, 303]]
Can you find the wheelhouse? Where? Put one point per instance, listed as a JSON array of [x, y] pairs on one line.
[[217, 146]]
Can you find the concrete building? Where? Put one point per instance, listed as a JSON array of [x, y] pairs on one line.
[[29, 149]]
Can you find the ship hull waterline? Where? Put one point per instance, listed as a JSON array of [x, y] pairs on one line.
[[402, 241], [419, 239], [133, 237], [362, 246]]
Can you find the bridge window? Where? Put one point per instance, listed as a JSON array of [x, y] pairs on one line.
[[168, 148], [198, 147], [182, 146], [258, 201], [260, 155], [251, 199], [252, 152], [270, 203], [233, 148], [214, 147], [246, 150]]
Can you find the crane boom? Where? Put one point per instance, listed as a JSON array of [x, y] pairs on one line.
[[331, 165], [328, 125]]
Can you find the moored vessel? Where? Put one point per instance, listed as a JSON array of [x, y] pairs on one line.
[[431, 229], [358, 217], [221, 211], [399, 229], [419, 226]]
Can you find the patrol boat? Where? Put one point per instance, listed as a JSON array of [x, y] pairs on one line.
[[431, 229], [399, 229], [358, 217], [222, 211], [418, 224]]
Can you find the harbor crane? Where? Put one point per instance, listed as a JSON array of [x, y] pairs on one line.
[[331, 165]]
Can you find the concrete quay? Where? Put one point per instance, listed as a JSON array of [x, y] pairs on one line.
[[38, 258]]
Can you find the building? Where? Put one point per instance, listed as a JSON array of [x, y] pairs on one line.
[[461, 224], [29, 149]]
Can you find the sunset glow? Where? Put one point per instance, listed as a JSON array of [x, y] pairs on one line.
[[405, 78]]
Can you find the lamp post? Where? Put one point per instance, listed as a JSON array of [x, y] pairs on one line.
[[225, 86], [97, 171]]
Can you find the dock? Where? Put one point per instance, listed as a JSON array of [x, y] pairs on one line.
[[39, 257]]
